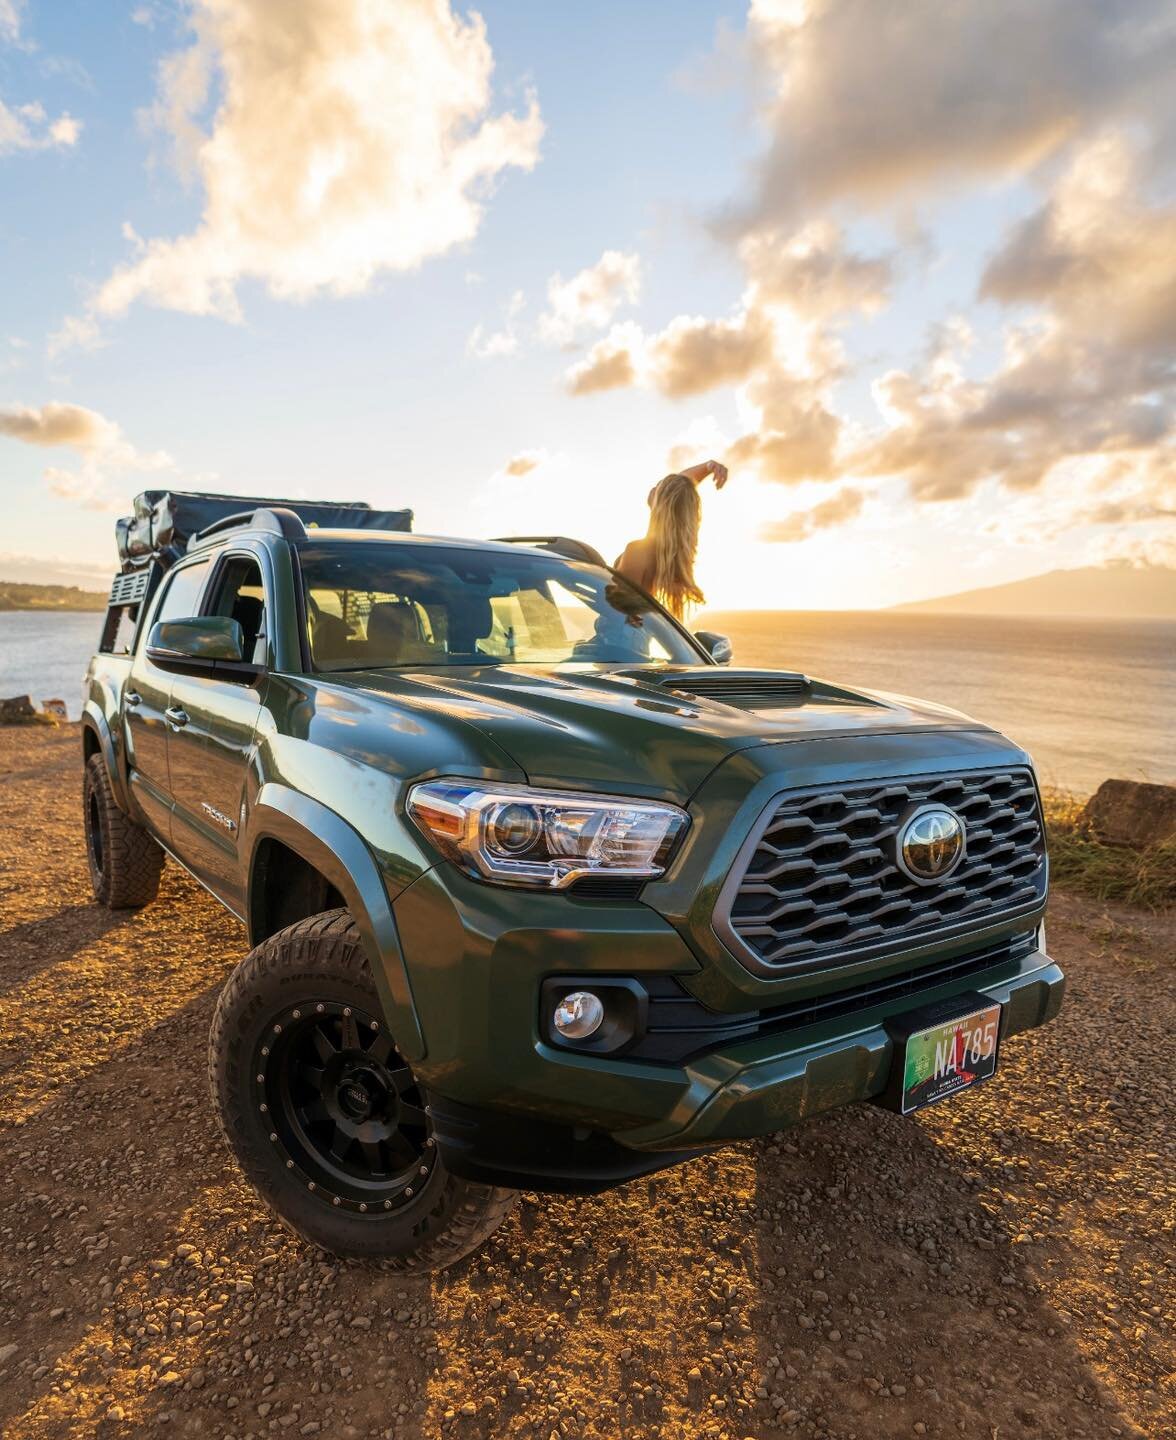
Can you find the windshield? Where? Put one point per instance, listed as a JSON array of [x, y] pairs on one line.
[[377, 605]]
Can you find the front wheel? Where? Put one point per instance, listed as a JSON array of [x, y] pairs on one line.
[[326, 1117]]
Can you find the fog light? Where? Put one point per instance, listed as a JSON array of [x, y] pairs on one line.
[[578, 1015]]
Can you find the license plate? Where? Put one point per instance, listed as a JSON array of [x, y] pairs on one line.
[[933, 1062]]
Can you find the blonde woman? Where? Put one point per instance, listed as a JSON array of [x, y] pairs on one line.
[[662, 561]]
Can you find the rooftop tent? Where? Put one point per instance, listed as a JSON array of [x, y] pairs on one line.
[[165, 520]]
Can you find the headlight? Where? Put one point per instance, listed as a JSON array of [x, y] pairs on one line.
[[546, 839]]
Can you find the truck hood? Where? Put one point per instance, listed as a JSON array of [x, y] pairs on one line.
[[622, 728]]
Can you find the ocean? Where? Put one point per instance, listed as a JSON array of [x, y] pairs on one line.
[[1087, 699]]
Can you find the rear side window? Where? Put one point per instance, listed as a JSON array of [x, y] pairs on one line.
[[118, 633], [181, 599]]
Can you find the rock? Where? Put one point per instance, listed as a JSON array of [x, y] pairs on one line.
[[1131, 813], [16, 710], [7, 1352]]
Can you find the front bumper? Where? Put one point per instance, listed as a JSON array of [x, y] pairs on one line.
[[511, 1108], [735, 1095]]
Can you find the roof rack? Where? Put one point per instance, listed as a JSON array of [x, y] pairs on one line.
[[558, 545], [164, 521]]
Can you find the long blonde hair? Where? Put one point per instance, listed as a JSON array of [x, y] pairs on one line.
[[674, 514]]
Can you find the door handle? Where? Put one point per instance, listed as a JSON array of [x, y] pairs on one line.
[[176, 717], [133, 698]]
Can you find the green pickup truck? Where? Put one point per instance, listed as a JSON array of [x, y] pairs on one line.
[[542, 894]]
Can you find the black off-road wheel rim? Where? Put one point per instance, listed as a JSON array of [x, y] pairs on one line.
[[94, 845], [344, 1112]]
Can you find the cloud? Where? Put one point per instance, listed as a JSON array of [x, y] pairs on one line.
[[801, 524], [813, 272], [610, 364], [106, 454], [779, 348], [1096, 254], [871, 101], [1090, 373], [28, 127], [486, 345], [690, 356], [350, 138], [797, 436], [57, 424], [590, 299], [524, 462]]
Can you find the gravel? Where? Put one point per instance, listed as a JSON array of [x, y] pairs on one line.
[[999, 1266]]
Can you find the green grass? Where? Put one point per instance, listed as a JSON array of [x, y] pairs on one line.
[[1080, 863]]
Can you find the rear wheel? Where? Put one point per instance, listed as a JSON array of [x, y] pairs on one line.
[[326, 1117], [125, 862]]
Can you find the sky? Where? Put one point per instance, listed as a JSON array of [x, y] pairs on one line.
[[907, 270]]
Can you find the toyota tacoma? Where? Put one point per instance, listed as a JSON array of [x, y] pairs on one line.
[[542, 894]]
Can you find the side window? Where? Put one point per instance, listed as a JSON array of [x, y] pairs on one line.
[[118, 632], [181, 596], [240, 596]]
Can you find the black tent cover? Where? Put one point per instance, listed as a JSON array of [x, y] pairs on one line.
[[165, 520]]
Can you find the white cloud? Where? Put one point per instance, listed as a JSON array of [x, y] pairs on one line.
[[524, 462], [28, 127], [487, 345], [1090, 375], [813, 272], [349, 138], [10, 20], [590, 299], [801, 524], [106, 454], [873, 101]]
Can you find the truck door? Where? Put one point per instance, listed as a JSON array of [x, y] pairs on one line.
[[212, 719], [146, 697]]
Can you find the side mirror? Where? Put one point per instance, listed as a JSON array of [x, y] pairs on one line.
[[718, 647], [199, 641]]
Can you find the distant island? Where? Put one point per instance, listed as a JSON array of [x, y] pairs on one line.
[[17, 596], [1111, 592]]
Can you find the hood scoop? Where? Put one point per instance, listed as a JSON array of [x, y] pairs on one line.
[[746, 689]]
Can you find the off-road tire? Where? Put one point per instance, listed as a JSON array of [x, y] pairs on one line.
[[125, 862], [314, 963]]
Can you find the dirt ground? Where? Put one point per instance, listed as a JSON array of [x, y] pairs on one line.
[[1000, 1266]]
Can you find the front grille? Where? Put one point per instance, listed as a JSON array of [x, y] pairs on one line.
[[821, 883], [680, 1027]]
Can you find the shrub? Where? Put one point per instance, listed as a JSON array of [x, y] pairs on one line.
[[1080, 863]]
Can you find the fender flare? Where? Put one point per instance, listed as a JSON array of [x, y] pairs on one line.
[[95, 720], [338, 851]]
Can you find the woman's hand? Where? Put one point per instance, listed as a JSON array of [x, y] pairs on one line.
[[698, 473]]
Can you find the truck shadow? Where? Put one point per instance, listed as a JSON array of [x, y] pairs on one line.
[[35, 945], [863, 1275]]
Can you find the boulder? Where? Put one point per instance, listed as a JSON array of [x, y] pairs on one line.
[[16, 711], [1132, 813]]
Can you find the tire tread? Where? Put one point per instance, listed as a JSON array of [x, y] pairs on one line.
[[132, 860], [329, 944]]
